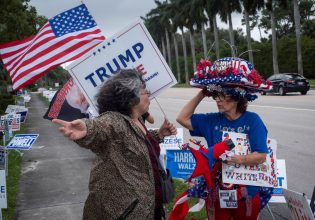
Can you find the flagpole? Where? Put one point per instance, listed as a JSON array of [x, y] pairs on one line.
[[178, 145]]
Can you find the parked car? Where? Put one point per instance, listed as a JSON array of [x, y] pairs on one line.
[[283, 83]]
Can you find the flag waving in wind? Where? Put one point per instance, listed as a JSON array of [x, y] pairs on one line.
[[65, 37]]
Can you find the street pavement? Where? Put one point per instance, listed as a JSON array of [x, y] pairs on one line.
[[55, 172]]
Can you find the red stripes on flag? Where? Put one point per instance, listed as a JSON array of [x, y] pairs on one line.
[[30, 58]]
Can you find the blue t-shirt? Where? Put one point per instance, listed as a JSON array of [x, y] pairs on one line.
[[211, 125]]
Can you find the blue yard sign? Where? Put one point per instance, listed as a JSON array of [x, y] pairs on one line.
[[181, 163], [22, 141]]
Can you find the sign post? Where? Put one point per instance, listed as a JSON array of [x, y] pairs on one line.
[[7, 134]]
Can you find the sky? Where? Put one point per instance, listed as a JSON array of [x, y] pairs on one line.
[[112, 16]]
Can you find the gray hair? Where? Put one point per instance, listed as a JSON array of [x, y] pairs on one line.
[[120, 92]]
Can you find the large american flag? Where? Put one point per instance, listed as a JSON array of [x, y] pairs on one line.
[[63, 38]]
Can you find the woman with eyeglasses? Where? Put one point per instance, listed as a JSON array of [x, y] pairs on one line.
[[124, 181], [231, 89]]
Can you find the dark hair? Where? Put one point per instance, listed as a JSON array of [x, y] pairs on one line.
[[242, 104], [120, 92]]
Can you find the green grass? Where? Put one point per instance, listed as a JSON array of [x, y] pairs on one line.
[[182, 85], [312, 83], [13, 180], [181, 187]]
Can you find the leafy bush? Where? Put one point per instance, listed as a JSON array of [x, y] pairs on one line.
[[6, 99]]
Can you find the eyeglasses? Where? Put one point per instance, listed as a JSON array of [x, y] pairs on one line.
[[220, 97], [146, 92]]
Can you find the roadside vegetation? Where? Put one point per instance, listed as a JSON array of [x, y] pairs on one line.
[[181, 187], [13, 179], [182, 85], [312, 83]]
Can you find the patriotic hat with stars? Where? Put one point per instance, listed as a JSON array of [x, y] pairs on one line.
[[231, 75]]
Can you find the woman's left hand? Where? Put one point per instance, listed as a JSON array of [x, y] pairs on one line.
[[251, 159], [238, 159], [167, 129]]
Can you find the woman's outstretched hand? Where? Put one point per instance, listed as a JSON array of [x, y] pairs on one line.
[[73, 130], [167, 129]]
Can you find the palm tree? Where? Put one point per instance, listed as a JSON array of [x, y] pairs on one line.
[[196, 19], [250, 8], [212, 8], [155, 28], [184, 7], [170, 11], [270, 7], [298, 36], [185, 54], [177, 57], [198, 7], [160, 12], [225, 12], [163, 48], [180, 20], [255, 22]]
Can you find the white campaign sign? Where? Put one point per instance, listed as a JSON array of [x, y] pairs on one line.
[[298, 205], [260, 175], [13, 119], [3, 190], [277, 195], [132, 47], [15, 109], [172, 142]]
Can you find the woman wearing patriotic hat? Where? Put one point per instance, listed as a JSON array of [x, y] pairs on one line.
[[232, 83]]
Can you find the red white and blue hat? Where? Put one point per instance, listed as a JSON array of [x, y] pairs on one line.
[[231, 75]]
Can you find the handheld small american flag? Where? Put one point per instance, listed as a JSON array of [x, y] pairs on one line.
[[65, 37]]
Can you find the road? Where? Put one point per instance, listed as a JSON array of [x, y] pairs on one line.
[[55, 173]]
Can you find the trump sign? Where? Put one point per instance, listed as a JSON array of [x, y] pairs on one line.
[[132, 47]]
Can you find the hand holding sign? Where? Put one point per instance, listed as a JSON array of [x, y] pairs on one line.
[[167, 129], [74, 130], [251, 159]]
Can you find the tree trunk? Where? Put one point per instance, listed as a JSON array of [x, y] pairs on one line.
[[298, 36], [231, 32], [193, 51], [249, 44], [168, 47], [185, 57], [163, 48], [274, 42], [204, 40], [259, 29], [177, 59], [216, 37]]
